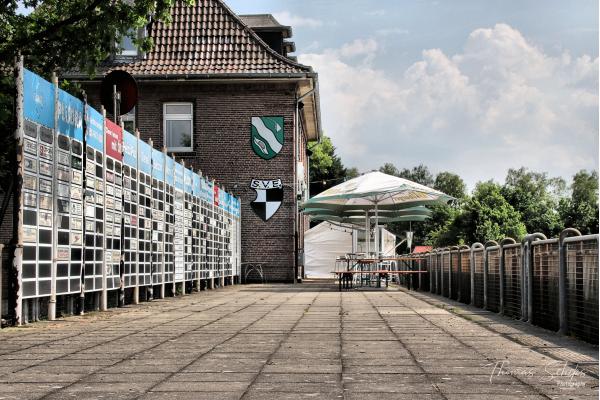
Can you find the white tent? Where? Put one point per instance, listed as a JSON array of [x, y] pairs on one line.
[[326, 241], [322, 244]]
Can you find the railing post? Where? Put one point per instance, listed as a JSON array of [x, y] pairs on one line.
[[441, 268], [1, 248], [502, 271], [460, 288], [562, 279], [438, 273], [474, 246], [431, 272], [527, 284], [450, 279], [485, 271], [420, 264]]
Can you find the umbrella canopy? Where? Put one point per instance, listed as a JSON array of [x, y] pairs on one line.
[[396, 199], [387, 191]]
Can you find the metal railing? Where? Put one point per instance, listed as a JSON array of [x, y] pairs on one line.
[[551, 283]]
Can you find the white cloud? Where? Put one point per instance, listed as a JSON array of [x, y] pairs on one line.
[[296, 21], [500, 103], [358, 47]]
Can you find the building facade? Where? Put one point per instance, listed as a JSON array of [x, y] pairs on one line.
[[221, 92]]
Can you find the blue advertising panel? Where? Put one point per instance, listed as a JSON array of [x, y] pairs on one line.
[[70, 115], [196, 189], [169, 171], [38, 99], [188, 180], [237, 207], [130, 149], [206, 189], [227, 205], [158, 165], [144, 157], [95, 129], [223, 199], [179, 172]]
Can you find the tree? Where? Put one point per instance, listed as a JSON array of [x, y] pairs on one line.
[[488, 216], [352, 173], [430, 230], [419, 174], [326, 168], [534, 195], [62, 35], [581, 209], [451, 184], [390, 169]]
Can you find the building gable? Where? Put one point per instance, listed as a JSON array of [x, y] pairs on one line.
[[207, 38]]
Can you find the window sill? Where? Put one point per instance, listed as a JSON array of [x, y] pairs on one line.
[[179, 150]]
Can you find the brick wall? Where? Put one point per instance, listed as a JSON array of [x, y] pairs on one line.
[[222, 150]]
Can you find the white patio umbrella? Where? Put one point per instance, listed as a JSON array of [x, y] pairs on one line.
[[378, 192]]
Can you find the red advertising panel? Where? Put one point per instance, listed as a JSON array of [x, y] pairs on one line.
[[216, 196], [114, 140]]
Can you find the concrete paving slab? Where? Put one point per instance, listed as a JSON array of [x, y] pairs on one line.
[[263, 342]]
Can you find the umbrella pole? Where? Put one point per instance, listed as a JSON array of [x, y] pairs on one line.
[[367, 233], [376, 232]]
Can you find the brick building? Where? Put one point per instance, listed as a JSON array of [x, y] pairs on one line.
[[221, 92]]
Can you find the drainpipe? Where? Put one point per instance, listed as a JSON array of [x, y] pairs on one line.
[[295, 176], [474, 246], [562, 278], [527, 276], [487, 244], [503, 242]]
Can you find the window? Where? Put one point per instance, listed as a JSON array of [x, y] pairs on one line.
[[177, 126], [129, 121], [127, 48]]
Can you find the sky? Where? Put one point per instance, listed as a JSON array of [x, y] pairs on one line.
[[471, 87]]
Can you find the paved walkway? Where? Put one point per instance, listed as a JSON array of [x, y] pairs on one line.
[[293, 342]]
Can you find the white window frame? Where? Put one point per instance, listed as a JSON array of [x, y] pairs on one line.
[[130, 117], [140, 33], [178, 117]]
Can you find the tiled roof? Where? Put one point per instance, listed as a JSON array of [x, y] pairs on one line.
[[422, 249], [207, 38]]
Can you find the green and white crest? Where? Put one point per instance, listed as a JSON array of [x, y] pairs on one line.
[[267, 136]]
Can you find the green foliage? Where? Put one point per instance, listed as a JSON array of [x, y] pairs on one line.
[[527, 202], [532, 194], [326, 168], [62, 35], [419, 174], [6, 122], [581, 209], [390, 169], [488, 216], [352, 173], [59, 35], [451, 184]]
